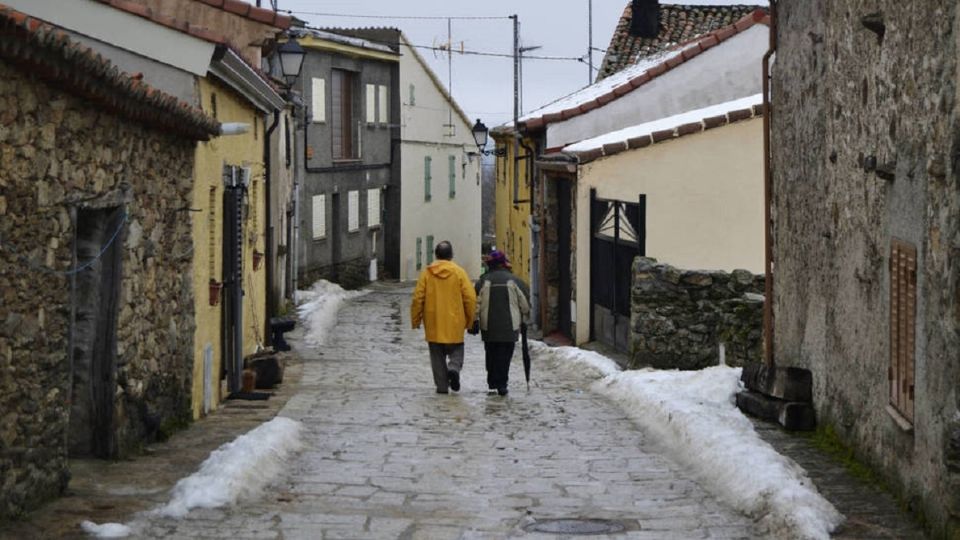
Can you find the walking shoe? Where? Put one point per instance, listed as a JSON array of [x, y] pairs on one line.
[[454, 378], [502, 391], [439, 391], [491, 391]]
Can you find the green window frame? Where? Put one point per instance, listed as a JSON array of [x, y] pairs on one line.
[[413, 97], [427, 162], [429, 249], [419, 253], [453, 176]]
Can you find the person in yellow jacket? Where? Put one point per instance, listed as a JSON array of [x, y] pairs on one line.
[[445, 302]]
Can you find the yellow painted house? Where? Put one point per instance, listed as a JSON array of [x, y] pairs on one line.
[[229, 229], [513, 201]]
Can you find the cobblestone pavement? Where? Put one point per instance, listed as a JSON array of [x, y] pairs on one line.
[[387, 457]]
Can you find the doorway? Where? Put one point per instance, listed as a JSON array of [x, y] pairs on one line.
[[564, 210], [99, 236]]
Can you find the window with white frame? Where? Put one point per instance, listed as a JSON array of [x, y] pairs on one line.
[[318, 100], [382, 108], [319, 216], [373, 207], [371, 105], [353, 211]]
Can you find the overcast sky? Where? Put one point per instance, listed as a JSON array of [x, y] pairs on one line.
[[483, 86]]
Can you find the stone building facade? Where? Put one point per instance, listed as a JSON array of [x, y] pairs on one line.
[[866, 237], [96, 319]]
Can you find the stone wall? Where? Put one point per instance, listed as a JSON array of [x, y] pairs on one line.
[[865, 141], [680, 317], [59, 156]]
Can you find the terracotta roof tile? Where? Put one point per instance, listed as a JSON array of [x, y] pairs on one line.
[[141, 10], [49, 53], [261, 15], [679, 24], [689, 128]]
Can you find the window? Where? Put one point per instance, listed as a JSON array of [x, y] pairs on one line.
[[419, 253], [382, 108], [426, 177], [903, 320], [371, 104], [452, 160], [319, 216], [318, 100], [341, 117], [413, 96], [429, 249], [373, 207], [353, 211]]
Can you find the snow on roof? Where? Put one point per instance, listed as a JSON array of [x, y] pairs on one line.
[[601, 87], [625, 81], [667, 128]]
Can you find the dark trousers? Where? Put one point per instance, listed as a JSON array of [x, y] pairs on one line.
[[498, 355]]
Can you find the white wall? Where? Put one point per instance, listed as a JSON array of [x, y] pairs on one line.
[[424, 132], [704, 197], [726, 72]]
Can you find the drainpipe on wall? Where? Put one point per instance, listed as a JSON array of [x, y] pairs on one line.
[[271, 308], [767, 195]]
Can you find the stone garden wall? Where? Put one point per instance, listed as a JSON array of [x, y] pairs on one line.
[[679, 318], [60, 155]]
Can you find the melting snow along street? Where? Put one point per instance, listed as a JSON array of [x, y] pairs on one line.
[[384, 456]]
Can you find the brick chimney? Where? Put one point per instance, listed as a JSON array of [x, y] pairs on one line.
[[645, 22]]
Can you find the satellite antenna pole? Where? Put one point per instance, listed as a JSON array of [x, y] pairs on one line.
[[590, 42], [450, 74]]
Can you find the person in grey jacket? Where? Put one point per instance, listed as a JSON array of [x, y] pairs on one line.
[[502, 306]]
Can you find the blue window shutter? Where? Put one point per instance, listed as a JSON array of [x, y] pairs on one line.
[[429, 249], [453, 176], [426, 177]]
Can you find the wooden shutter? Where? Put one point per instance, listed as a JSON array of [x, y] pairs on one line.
[[341, 136], [426, 177], [373, 207], [371, 104], [318, 101], [429, 249], [353, 210], [452, 161], [903, 320], [319, 216]]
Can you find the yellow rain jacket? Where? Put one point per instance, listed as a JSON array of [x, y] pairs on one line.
[[444, 301]]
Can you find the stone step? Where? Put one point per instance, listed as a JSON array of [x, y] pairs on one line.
[[792, 415], [786, 383]]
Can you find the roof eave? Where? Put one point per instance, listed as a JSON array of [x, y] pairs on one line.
[[237, 74]]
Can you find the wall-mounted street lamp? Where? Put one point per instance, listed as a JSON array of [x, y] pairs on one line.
[[291, 60], [480, 135]]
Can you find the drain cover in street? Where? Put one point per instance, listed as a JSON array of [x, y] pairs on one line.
[[576, 526]]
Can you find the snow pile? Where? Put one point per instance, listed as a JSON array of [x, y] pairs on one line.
[[236, 470], [692, 414], [239, 469], [597, 363], [318, 309], [107, 530]]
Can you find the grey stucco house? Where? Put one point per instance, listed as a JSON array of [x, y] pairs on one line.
[[347, 153]]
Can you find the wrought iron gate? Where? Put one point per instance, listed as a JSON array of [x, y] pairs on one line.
[[618, 234]]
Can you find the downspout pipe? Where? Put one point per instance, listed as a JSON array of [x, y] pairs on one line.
[[767, 194], [536, 248], [269, 255]]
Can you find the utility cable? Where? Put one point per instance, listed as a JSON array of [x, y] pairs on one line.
[[408, 17], [80, 268]]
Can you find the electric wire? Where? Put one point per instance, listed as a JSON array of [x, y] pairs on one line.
[[80, 268], [407, 17]]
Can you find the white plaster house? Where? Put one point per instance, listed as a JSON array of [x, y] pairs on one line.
[[440, 171], [610, 160]]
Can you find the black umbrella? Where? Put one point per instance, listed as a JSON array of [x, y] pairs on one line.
[[526, 353]]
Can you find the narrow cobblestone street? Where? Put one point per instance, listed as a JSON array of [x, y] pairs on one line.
[[386, 457]]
